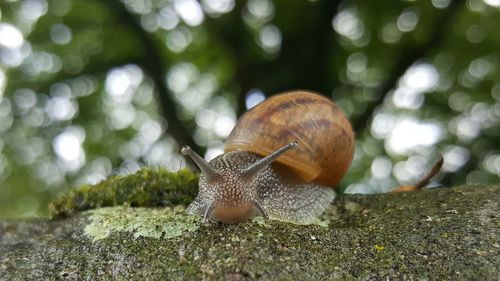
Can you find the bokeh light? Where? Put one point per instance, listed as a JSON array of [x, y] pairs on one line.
[[10, 36], [83, 98]]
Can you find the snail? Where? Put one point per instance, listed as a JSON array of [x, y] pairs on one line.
[[282, 160]]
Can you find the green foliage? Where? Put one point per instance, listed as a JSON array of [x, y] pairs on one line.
[[91, 88]]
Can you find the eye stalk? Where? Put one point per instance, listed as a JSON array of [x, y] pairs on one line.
[[207, 170], [263, 163]]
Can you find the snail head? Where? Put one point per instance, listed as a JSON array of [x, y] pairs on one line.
[[228, 186]]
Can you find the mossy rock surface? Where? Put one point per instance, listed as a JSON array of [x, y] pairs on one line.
[[438, 234]]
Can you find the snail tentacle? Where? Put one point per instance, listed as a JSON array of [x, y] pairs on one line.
[[261, 210], [205, 168], [263, 163], [207, 214]]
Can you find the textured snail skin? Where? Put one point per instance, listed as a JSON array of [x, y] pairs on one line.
[[282, 196]]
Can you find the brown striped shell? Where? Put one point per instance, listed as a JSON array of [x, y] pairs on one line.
[[324, 135]]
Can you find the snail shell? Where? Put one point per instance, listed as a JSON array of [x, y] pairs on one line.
[[324, 135]]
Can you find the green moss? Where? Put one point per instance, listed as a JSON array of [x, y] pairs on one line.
[[141, 222], [147, 187]]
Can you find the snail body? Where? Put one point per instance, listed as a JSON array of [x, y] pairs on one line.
[[282, 160]]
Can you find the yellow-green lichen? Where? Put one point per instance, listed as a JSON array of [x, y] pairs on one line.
[[141, 222], [379, 248], [148, 187]]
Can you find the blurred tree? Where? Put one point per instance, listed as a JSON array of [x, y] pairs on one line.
[[92, 88]]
